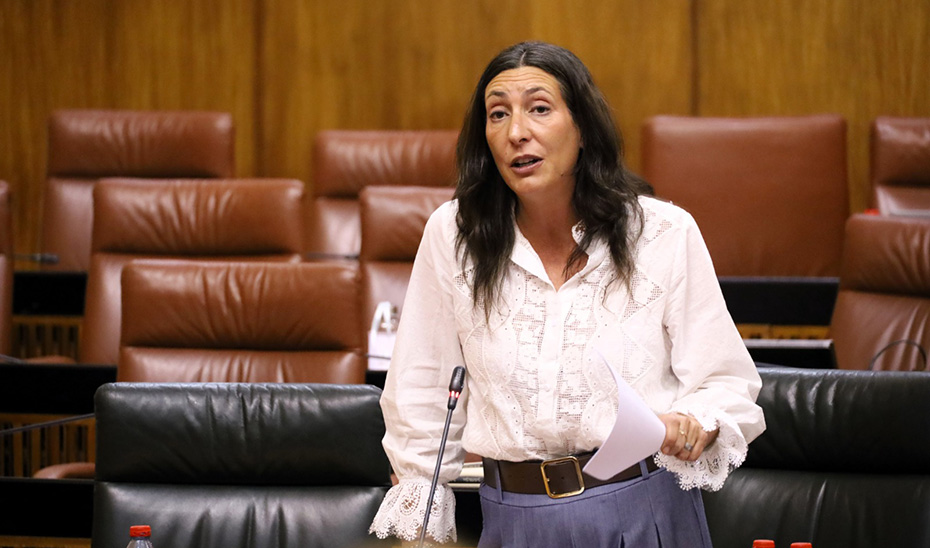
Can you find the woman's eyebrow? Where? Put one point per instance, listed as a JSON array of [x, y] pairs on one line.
[[530, 91], [535, 89]]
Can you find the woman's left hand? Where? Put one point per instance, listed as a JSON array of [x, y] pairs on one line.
[[684, 436]]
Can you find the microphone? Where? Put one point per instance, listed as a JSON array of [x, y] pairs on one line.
[[455, 386], [455, 391], [37, 425], [41, 258], [6, 358], [324, 256]]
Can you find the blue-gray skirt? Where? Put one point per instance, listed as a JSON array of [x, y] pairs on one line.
[[650, 511]]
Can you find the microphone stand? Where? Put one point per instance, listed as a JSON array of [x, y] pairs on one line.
[[455, 390], [37, 425]]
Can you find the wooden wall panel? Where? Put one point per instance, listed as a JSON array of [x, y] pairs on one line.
[[178, 54], [638, 52], [48, 59], [413, 65], [857, 58], [290, 68], [145, 54], [354, 64]]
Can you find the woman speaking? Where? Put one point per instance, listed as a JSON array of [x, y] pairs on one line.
[[551, 255]]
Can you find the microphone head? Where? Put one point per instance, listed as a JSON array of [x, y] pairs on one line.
[[458, 379], [455, 387]]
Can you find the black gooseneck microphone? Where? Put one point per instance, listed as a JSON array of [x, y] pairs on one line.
[[455, 390], [41, 258]]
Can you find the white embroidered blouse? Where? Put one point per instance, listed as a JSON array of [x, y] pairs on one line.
[[536, 387]]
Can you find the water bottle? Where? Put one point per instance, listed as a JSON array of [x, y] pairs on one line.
[[801, 545], [139, 536], [763, 543]]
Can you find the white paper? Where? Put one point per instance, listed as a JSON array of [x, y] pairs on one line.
[[637, 433]]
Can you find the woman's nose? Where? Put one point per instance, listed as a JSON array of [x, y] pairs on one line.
[[518, 130]]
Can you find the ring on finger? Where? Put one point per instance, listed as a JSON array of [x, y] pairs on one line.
[[688, 447]]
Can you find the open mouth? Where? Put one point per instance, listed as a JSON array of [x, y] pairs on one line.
[[525, 162]]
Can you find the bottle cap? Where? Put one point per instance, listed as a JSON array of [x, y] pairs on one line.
[[140, 531], [801, 545], [763, 543]]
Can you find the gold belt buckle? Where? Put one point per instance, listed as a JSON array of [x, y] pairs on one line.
[[555, 462]]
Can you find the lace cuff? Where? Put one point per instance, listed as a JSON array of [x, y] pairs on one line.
[[711, 469], [401, 512]]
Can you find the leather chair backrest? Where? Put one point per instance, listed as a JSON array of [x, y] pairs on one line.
[[900, 165], [769, 194], [239, 465], [6, 270], [347, 161], [87, 145], [839, 464], [884, 294], [215, 219], [192, 321], [393, 220]]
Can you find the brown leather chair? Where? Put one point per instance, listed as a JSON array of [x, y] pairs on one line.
[[884, 294], [192, 321], [345, 162], [224, 321], [6, 270], [87, 145], [900, 165], [392, 223], [218, 219], [769, 194]]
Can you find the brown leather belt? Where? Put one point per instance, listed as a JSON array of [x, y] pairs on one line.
[[557, 478]]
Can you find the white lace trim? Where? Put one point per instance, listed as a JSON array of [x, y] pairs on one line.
[[711, 469], [401, 513]]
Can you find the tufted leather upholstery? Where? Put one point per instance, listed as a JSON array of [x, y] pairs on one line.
[[218, 219], [239, 465], [884, 293], [900, 164], [392, 220], [191, 321], [345, 162], [6, 270], [87, 145], [839, 464], [770, 194]]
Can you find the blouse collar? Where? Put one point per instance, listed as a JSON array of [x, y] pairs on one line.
[[525, 256]]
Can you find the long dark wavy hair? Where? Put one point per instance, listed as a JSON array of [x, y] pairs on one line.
[[605, 195]]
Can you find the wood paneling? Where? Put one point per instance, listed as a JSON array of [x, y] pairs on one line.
[[354, 64], [48, 59], [413, 65], [178, 54], [144, 54], [290, 68], [857, 58], [638, 52]]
